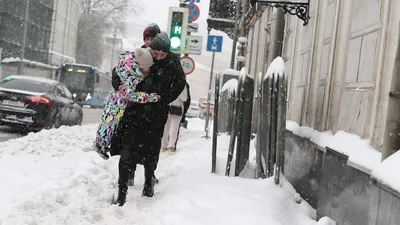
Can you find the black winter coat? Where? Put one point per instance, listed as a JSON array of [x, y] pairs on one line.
[[166, 79]]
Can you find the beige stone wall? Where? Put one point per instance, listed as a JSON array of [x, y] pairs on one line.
[[339, 65]]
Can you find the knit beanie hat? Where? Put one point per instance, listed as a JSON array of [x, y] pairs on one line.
[[143, 57], [161, 42], [151, 31]]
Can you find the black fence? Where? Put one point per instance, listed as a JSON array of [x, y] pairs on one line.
[[322, 176]]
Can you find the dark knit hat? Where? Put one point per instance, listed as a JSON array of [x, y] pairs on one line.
[[151, 31], [161, 42]]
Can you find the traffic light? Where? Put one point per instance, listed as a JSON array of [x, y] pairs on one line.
[[177, 28]]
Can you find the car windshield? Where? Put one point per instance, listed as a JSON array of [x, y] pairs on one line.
[[76, 81], [25, 85]]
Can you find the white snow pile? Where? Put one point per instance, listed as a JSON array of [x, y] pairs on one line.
[[231, 85], [276, 67], [39, 64], [358, 150], [50, 177], [231, 72]]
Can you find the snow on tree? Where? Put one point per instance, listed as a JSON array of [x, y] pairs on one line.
[[98, 16]]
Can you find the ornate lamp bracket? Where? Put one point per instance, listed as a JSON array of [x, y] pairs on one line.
[[299, 8]]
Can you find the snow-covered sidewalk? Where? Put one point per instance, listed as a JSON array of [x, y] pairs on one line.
[[51, 177]]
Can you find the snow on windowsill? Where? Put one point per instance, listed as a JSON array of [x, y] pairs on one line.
[[361, 155], [386, 172]]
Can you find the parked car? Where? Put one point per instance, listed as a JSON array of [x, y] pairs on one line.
[[194, 110], [37, 103]]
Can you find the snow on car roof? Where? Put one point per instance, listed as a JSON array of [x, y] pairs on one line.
[[32, 78]]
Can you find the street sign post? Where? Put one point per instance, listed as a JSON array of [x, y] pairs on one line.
[[214, 44], [193, 27], [187, 65], [194, 45], [194, 12]]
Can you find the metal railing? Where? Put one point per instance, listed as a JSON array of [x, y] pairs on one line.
[[271, 121]]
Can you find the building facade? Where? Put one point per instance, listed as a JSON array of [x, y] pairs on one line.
[[339, 65], [39, 20], [64, 31]]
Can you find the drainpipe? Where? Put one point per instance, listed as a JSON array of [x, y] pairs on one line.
[[235, 33], [278, 34]]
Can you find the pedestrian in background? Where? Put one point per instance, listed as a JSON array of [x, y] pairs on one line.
[[176, 110]]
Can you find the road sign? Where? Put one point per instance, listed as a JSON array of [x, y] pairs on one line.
[[193, 27], [187, 65], [214, 43], [194, 12], [194, 45], [197, 1]]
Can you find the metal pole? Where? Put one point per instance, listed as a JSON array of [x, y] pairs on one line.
[[22, 56], [245, 7], [65, 31], [215, 126], [235, 34], [1, 66], [391, 138], [209, 96], [113, 48]]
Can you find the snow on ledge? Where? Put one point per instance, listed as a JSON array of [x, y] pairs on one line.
[[39, 64], [276, 67], [361, 154], [387, 172], [232, 72], [230, 85]]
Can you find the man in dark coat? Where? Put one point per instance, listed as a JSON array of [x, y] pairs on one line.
[[149, 33], [141, 128]]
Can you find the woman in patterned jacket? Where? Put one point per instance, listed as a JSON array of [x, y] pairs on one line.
[[131, 69]]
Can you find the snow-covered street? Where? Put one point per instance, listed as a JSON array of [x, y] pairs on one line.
[[53, 177]]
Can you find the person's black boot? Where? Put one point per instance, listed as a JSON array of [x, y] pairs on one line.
[[121, 199], [148, 189]]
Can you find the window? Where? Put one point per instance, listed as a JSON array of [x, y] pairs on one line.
[[60, 91], [363, 43]]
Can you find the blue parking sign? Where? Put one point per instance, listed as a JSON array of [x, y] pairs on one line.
[[214, 43]]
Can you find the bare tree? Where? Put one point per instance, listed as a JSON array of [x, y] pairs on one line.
[[99, 15]]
